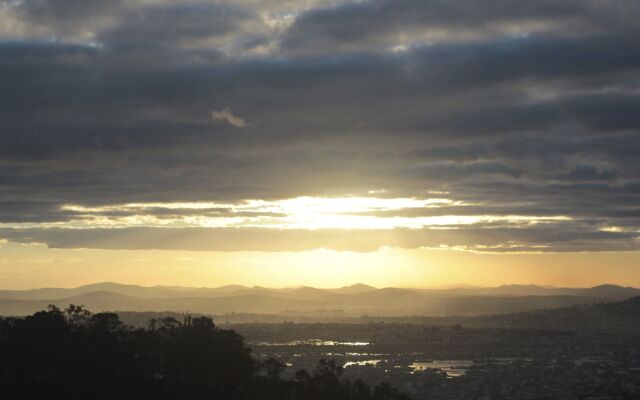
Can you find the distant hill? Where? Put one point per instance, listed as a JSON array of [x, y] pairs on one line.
[[127, 290], [612, 292], [352, 300], [308, 293], [618, 317], [357, 288], [109, 301], [614, 317]]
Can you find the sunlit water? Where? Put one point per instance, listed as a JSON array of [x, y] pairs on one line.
[[452, 368], [362, 363], [311, 342]]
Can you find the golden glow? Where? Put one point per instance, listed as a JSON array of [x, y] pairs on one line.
[[297, 204], [306, 213], [28, 266], [24, 266]]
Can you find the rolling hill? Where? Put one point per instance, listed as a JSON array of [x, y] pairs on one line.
[[352, 300]]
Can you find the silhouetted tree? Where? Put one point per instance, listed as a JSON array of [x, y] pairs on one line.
[[72, 354], [272, 368]]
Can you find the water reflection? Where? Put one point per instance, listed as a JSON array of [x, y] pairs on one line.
[[311, 342], [452, 368], [362, 363]]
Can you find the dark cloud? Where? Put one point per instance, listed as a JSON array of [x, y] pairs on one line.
[[352, 25], [66, 11], [179, 23], [210, 239], [514, 109], [67, 17]]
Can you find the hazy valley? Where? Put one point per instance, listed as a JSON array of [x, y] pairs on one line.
[[349, 301]]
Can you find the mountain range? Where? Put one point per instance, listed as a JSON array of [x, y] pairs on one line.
[[358, 299]]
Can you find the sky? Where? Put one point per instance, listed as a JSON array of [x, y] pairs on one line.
[[281, 143]]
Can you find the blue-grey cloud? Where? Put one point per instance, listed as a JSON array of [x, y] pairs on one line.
[[512, 109]]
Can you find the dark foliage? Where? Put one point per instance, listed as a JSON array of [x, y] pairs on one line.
[[73, 354]]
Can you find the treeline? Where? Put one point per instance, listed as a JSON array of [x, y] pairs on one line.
[[73, 354]]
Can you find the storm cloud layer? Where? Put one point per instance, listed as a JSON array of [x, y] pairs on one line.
[[516, 123]]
